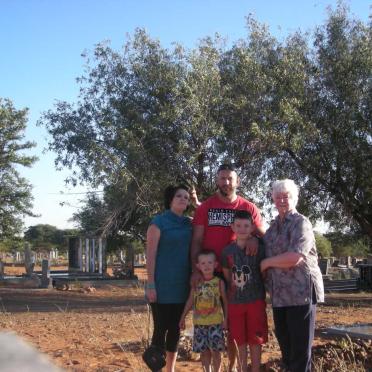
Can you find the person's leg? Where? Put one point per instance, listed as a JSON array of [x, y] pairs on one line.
[[242, 358], [236, 321], [216, 361], [173, 316], [255, 351], [160, 325], [282, 333], [216, 343], [171, 361], [206, 358], [231, 353], [257, 331], [301, 321]]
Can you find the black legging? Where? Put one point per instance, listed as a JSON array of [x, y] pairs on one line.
[[166, 330]]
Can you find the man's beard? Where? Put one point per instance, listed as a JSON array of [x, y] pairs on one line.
[[224, 193]]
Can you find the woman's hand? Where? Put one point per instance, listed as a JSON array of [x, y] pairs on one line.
[[151, 294], [264, 266]]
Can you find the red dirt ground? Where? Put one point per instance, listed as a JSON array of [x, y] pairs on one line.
[[106, 328]]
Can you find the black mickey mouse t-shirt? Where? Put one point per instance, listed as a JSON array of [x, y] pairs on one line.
[[246, 283]]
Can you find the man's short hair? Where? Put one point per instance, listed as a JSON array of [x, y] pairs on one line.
[[227, 166], [243, 215], [206, 252]]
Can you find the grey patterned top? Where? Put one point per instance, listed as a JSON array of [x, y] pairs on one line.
[[292, 287]]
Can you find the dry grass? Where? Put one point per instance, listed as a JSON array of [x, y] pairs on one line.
[[112, 340]]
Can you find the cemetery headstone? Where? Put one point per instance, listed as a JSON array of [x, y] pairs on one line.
[[29, 261], [45, 274], [73, 254], [348, 261], [324, 266]]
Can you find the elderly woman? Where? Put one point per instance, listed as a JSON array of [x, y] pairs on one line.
[[168, 270], [293, 276]]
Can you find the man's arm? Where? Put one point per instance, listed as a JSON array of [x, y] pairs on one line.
[[196, 245], [260, 231], [251, 247]]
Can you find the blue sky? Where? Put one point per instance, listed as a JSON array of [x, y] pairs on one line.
[[42, 41]]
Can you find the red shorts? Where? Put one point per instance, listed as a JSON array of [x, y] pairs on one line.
[[248, 323]]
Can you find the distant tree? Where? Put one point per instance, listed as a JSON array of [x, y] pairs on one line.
[[46, 237], [15, 191], [10, 245], [91, 217], [348, 244], [323, 245]]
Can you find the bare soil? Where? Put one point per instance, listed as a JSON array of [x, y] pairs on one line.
[[106, 328]]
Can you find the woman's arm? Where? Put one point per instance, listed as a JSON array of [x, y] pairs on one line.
[[153, 237], [283, 261]]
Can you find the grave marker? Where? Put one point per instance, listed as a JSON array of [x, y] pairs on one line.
[[45, 274], [324, 266]]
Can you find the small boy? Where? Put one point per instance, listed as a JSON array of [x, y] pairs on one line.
[[245, 294], [209, 314]]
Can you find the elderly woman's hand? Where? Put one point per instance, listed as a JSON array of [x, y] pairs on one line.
[[264, 265]]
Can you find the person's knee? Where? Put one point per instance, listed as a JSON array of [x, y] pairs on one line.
[[173, 337]]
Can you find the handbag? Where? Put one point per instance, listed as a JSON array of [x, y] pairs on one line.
[[154, 357]]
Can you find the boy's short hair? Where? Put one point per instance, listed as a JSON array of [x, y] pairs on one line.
[[206, 252], [243, 215]]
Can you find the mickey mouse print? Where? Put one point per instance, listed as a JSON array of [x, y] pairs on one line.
[[242, 272]]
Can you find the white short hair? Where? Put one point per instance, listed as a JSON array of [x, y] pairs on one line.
[[287, 186]]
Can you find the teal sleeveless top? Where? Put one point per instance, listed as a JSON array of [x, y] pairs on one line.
[[173, 266]]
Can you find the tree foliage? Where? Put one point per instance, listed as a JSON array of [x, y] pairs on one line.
[[323, 245], [46, 237], [349, 244], [148, 116], [15, 191]]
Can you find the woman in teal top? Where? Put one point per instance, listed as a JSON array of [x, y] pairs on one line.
[[168, 270]]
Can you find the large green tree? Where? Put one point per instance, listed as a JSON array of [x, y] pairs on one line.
[[309, 111], [148, 116], [15, 191], [46, 237]]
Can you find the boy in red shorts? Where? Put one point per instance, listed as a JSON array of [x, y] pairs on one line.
[[247, 318]]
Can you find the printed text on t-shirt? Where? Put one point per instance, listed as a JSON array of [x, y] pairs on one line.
[[220, 216]]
